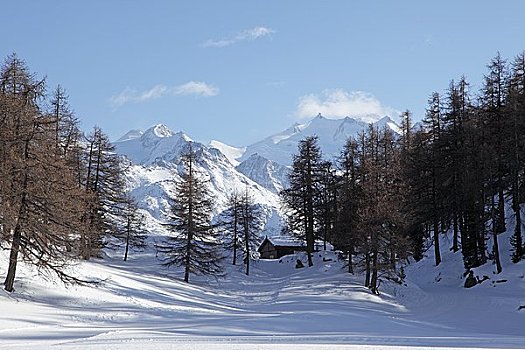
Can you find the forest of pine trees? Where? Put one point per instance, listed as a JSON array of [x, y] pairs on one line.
[[390, 196]]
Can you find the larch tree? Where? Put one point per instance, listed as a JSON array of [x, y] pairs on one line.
[[516, 150], [194, 243], [431, 172], [457, 108], [103, 181], [250, 220], [231, 225], [40, 201], [301, 198], [326, 210], [347, 199], [131, 231]]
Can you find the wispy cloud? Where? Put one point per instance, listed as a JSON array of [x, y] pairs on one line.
[[245, 35], [195, 88], [338, 103]]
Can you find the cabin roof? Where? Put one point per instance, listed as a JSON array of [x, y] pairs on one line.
[[282, 242]]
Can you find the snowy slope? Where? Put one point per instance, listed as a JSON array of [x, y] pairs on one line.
[[332, 134], [267, 173], [232, 153], [140, 305], [154, 165]]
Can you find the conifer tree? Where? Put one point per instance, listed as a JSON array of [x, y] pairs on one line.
[[327, 203], [457, 109], [301, 198], [494, 121], [231, 224], [347, 199], [40, 203], [250, 221], [131, 229], [516, 149], [193, 244], [103, 181], [433, 169], [381, 209]]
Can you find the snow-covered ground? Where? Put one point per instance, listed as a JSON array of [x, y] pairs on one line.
[[140, 305]]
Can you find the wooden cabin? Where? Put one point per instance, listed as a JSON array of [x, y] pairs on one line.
[[271, 250]]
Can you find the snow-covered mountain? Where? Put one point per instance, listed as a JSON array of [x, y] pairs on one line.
[[267, 173], [154, 157], [332, 134], [266, 161], [154, 164], [232, 153]]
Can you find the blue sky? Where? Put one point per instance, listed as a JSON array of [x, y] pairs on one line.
[[237, 71]]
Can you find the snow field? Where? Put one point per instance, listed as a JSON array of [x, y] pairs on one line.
[[141, 305]]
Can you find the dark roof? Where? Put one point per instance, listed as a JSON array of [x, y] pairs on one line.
[[281, 243]]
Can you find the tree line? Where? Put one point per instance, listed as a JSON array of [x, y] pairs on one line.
[[392, 195], [62, 195]]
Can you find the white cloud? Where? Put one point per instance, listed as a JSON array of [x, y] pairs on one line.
[[155, 92], [338, 103], [195, 88], [246, 35], [122, 98]]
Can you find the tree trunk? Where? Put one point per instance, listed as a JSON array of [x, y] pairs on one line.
[[436, 241], [518, 241], [190, 221], [495, 250], [367, 263], [17, 234], [350, 265], [437, 252], [127, 238], [247, 247], [235, 238], [310, 242], [501, 212], [455, 225], [13, 258], [373, 280], [187, 259]]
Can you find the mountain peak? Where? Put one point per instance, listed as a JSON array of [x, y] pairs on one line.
[[130, 135], [159, 130]]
